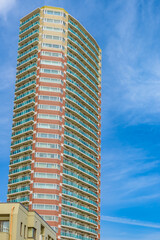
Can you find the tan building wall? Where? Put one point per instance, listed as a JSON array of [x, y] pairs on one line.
[[17, 223]]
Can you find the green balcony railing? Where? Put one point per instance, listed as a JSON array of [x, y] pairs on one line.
[[17, 190], [21, 160], [23, 199], [28, 51], [32, 100], [80, 168], [16, 124], [29, 27], [28, 35], [17, 180], [22, 131], [28, 43], [76, 236], [27, 68], [24, 149], [21, 169], [74, 225], [29, 19], [25, 94], [24, 112], [26, 77]]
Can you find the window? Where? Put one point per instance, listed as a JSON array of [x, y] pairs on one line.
[[53, 63], [45, 196], [52, 45], [50, 89], [31, 233], [49, 126], [47, 165], [4, 226], [48, 145], [24, 231], [21, 229], [47, 155], [51, 80], [48, 135], [49, 107], [46, 185], [45, 207], [49, 116], [52, 54], [51, 71], [46, 175]]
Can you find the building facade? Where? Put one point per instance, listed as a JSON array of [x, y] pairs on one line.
[[17, 223], [55, 148]]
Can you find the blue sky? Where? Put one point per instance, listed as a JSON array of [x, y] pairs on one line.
[[129, 35]]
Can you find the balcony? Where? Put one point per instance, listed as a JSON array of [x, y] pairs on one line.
[[15, 181], [27, 94], [20, 151], [83, 91], [80, 151], [79, 159], [20, 161], [20, 124], [22, 132], [79, 207], [79, 187], [28, 29], [29, 20], [26, 70], [78, 167], [79, 113], [19, 190], [23, 199], [27, 61], [79, 227], [81, 125], [80, 141], [26, 78], [27, 53], [81, 81], [28, 37], [79, 197], [22, 141], [23, 114], [28, 45], [24, 105], [74, 236], [78, 217]]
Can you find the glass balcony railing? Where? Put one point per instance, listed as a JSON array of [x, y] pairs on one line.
[[21, 160], [76, 236], [81, 217], [80, 159], [32, 100], [23, 131], [82, 56], [27, 60], [25, 94], [82, 81], [80, 168], [83, 74], [22, 140], [17, 190], [85, 43], [28, 51], [27, 111], [17, 180], [26, 77], [84, 125], [78, 206], [23, 199], [76, 26], [27, 68], [70, 173], [82, 89], [73, 194], [29, 19], [83, 99], [80, 140], [28, 43], [80, 114], [29, 27], [80, 150], [23, 122], [22, 169], [83, 49], [28, 35], [21, 150], [74, 225], [25, 86], [84, 66], [70, 183]]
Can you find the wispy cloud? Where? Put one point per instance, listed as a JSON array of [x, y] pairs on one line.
[[130, 222], [5, 7]]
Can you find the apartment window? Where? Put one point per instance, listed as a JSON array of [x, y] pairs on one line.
[[47, 155], [51, 80], [4, 226], [52, 45], [48, 135], [50, 218], [52, 54], [24, 231], [47, 165], [46, 175], [45, 196], [51, 71], [49, 116], [49, 107], [31, 233], [48, 145], [53, 63], [50, 89], [21, 229], [46, 185], [50, 98], [45, 207], [49, 126]]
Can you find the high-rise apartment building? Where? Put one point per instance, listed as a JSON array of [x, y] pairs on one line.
[[55, 148]]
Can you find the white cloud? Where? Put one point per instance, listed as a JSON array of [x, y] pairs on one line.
[[6, 6], [130, 222]]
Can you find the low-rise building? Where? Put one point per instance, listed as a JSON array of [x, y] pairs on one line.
[[17, 223]]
